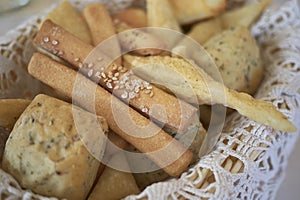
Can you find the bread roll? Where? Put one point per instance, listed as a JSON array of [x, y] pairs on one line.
[[237, 57], [113, 183], [45, 151]]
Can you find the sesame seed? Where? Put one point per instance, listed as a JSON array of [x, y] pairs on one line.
[[114, 78], [131, 95], [60, 53], [105, 80], [102, 69], [116, 20], [80, 65], [103, 75], [54, 51], [76, 59], [97, 74], [90, 65], [54, 42], [136, 89], [117, 74], [46, 39], [110, 75], [144, 109], [90, 73], [115, 67], [109, 85], [124, 95], [151, 94], [146, 84], [149, 87], [120, 68], [117, 87], [123, 70], [109, 80]]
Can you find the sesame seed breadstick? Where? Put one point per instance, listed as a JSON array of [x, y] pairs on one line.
[[207, 90], [142, 95], [123, 120], [102, 27]]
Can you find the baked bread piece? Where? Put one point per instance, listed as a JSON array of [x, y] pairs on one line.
[[160, 14], [46, 153], [245, 15], [196, 133], [123, 120], [4, 133], [66, 16], [114, 183], [138, 41], [92, 62], [237, 57], [134, 17], [202, 31], [102, 28], [10, 111], [193, 10], [188, 81]]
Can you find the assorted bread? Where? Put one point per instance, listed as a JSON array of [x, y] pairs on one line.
[[130, 93], [46, 153]]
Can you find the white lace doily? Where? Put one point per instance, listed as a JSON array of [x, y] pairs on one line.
[[249, 159]]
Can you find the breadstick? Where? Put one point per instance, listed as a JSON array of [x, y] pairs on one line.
[[138, 40], [207, 90], [134, 17], [143, 96], [160, 147], [102, 27]]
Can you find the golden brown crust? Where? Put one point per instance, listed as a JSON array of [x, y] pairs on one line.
[[244, 16], [115, 184], [101, 26], [75, 51], [138, 40], [63, 79], [209, 91], [66, 16], [196, 9], [10, 111], [160, 14], [202, 31], [134, 17], [46, 153], [237, 57]]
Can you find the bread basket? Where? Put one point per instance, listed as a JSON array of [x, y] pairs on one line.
[[249, 159]]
